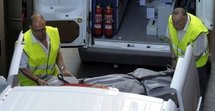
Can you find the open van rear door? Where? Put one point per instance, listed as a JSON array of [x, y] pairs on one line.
[[205, 11], [70, 16]]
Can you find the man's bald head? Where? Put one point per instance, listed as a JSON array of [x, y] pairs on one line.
[[37, 18], [179, 18], [38, 26]]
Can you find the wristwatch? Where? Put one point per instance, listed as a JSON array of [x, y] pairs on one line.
[[62, 68]]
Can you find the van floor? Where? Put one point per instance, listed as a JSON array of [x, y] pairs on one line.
[[133, 26]]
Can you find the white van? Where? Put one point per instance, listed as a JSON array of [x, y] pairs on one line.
[[139, 28]]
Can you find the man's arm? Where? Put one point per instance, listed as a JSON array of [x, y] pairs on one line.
[[200, 45], [33, 77], [27, 72], [173, 56], [60, 63]]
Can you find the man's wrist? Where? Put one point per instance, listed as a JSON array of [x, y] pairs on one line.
[[36, 80]]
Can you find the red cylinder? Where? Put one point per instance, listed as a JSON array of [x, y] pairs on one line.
[[98, 21], [108, 25]]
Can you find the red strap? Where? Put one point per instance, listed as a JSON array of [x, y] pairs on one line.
[[88, 85]]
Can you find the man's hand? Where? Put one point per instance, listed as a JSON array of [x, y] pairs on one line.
[[41, 82], [66, 72], [173, 64]]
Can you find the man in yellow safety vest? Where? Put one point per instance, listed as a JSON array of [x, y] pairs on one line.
[[41, 53], [184, 29]]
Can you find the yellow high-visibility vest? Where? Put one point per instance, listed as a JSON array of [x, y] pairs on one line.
[[194, 29], [38, 61]]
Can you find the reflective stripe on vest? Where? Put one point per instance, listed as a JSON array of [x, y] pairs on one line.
[[41, 67], [194, 29], [178, 50], [38, 61]]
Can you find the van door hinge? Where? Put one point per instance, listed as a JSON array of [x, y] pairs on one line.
[[89, 20]]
